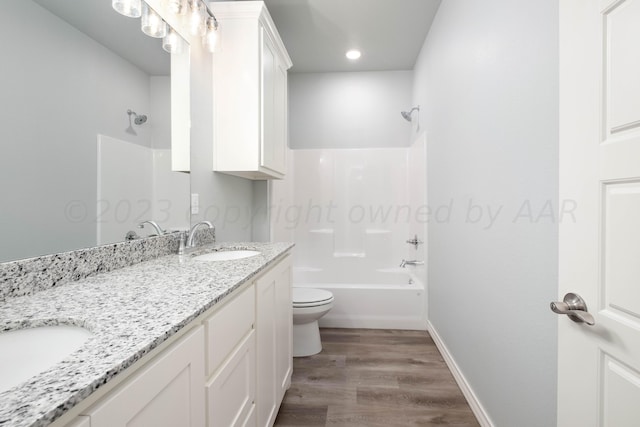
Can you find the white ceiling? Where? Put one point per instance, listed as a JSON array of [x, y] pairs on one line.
[[317, 33]]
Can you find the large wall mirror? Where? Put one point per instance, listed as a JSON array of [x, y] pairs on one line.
[[86, 128]]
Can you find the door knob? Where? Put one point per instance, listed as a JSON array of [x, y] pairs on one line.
[[574, 307]]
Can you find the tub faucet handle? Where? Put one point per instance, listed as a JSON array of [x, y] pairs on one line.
[[415, 241]]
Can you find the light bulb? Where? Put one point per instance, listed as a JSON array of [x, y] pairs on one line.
[[210, 39], [175, 6], [172, 42], [151, 23], [130, 8], [196, 18]]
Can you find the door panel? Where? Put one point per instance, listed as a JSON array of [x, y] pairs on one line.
[[621, 228], [621, 391], [622, 65], [599, 366]]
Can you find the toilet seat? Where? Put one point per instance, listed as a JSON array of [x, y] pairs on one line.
[[310, 297]]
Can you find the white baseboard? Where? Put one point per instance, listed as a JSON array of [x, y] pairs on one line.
[[474, 403]]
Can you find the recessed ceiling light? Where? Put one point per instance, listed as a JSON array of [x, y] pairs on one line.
[[353, 54]]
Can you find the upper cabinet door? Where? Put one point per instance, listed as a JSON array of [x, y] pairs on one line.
[[250, 93], [274, 108]]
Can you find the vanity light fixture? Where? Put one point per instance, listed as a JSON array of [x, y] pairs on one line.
[[130, 8], [196, 15], [151, 23]]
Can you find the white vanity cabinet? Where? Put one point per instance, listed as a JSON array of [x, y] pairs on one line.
[[167, 392], [230, 369], [249, 92], [274, 340]]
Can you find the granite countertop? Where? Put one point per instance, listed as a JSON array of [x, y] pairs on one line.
[[129, 311]]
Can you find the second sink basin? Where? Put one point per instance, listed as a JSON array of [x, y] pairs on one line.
[[27, 352], [226, 255]]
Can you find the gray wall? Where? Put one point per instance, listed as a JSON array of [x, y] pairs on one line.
[[349, 110], [487, 82], [225, 200]]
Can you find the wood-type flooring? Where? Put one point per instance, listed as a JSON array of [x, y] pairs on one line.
[[374, 378]]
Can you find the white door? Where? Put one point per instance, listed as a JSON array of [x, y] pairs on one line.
[[599, 366]]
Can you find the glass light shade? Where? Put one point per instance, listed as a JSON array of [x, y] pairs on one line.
[[196, 18], [210, 39], [172, 42], [130, 8], [176, 6], [151, 23]]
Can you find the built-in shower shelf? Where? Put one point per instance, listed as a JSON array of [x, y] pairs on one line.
[[349, 254], [377, 231], [322, 231]]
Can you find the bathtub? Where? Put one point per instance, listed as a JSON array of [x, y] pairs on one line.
[[387, 299]]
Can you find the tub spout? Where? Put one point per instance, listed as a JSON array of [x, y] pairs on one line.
[[404, 263]]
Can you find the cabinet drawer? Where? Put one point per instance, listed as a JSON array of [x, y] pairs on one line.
[[227, 327], [231, 392]]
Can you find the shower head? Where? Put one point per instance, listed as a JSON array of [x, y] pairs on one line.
[[407, 114], [138, 119]]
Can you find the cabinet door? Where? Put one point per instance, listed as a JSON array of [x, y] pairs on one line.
[[231, 392], [269, 144], [284, 328], [167, 392], [266, 341], [274, 325], [280, 117]]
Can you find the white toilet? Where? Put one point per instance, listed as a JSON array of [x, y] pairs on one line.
[[309, 305]]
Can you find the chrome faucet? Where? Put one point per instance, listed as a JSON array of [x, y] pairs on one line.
[[404, 263], [192, 232], [159, 231]]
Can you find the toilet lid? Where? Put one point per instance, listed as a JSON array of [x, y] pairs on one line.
[[311, 296]]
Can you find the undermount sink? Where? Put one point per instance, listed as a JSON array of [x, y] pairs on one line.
[[27, 352], [226, 255]]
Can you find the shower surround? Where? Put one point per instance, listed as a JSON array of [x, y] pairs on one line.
[[352, 212]]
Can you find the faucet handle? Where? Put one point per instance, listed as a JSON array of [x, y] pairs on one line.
[[415, 241]]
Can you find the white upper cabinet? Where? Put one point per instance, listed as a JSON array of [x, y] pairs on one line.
[[249, 93]]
